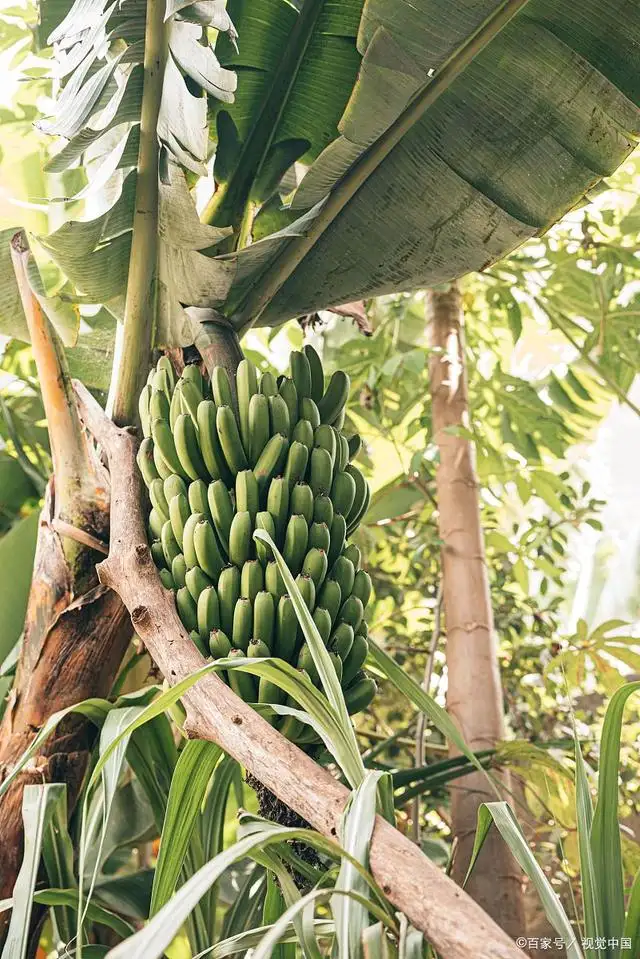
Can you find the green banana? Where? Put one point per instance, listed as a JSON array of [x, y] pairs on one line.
[[322, 619], [144, 459], [228, 596], [259, 426], [335, 397], [251, 579], [355, 659], [143, 410], [167, 579], [302, 501], [344, 573], [269, 693], [361, 498], [208, 611], [156, 522], [240, 541], [352, 612], [363, 629], [192, 373], [286, 631], [196, 581], [175, 407], [297, 459], [305, 661], [200, 644], [319, 536], [330, 598], [188, 545], [307, 588], [324, 437], [157, 554], [301, 373], [159, 408], [247, 494], [163, 440], [279, 419], [270, 461], [210, 443], [323, 510], [221, 386], [343, 493], [278, 506], [309, 411], [243, 684], [268, 384], [179, 513], [338, 535], [164, 363], [179, 570], [342, 640], [296, 538], [264, 615], [317, 373], [208, 552], [303, 433], [355, 520], [247, 387], [289, 394], [342, 455], [242, 629], [360, 695], [170, 546], [273, 581], [340, 418], [258, 649], [162, 467], [362, 587], [197, 496], [222, 510], [264, 520], [230, 441], [173, 485], [315, 565], [337, 664], [219, 644], [186, 608], [158, 499], [353, 553], [320, 471], [355, 445], [191, 398]]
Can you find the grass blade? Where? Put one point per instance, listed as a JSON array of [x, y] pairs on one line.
[[421, 700], [606, 848], [509, 829], [322, 660], [38, 803], [195, 767]]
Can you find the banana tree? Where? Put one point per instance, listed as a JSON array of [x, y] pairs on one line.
[[246, 163]]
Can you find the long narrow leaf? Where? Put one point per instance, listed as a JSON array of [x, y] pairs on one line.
[[195, 766], [57, 855], [588, 876], [605, 832], [322, 660], [38, 803], [632, 922], [421, 700], [510, 831], [247, 940]]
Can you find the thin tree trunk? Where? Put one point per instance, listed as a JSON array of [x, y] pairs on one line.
[[474, 692]]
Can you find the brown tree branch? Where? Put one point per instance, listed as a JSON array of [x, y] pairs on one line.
[[455, 924]]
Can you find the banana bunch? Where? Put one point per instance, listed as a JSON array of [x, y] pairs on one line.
[[221, 460]]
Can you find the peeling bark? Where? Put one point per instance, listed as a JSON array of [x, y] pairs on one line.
[[450, 919], [474, 694]]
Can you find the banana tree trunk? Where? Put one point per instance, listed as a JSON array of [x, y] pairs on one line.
[[474, 693], [74, 641]]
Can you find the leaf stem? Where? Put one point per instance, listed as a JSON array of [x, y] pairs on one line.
[[273, 279], [134, 336], [74, 472]]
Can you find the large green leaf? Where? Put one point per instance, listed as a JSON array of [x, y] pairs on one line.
[[470, 128], [17, 549]]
